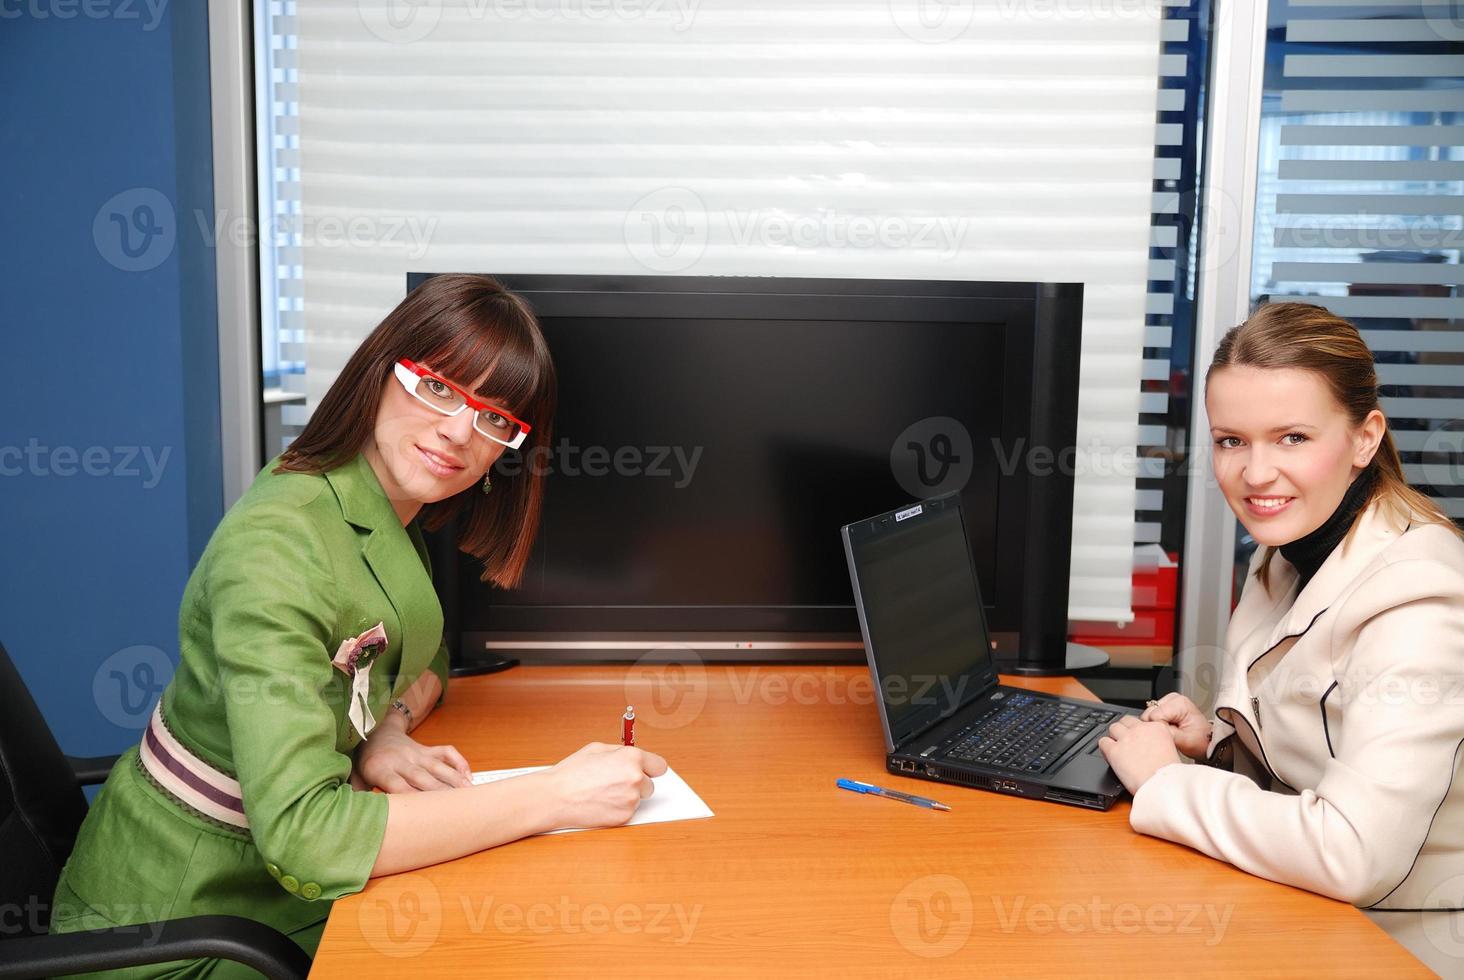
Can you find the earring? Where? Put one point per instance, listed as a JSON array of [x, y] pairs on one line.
[[487, 483]]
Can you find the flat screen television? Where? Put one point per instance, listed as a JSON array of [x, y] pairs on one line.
[[714, 433]]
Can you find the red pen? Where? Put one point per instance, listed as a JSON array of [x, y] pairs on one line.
[[627, 726]]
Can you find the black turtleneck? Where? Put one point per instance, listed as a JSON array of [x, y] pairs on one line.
[[1309, 551]]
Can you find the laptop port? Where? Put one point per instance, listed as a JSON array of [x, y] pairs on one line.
[[1074, 799]]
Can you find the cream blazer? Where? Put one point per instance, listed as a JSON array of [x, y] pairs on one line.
[[1351, 697]]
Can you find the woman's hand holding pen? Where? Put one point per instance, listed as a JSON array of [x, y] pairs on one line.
[[393, 761], [1187, 723], [601, 785]]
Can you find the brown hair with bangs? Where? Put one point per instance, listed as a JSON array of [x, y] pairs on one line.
[[463, 326], [1313, 338]]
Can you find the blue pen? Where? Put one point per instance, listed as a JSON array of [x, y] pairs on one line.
[[856, 786]]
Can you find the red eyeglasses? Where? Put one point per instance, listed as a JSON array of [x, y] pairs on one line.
[[443, 396]]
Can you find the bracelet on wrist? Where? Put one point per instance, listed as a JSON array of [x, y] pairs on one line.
[[401, 706]]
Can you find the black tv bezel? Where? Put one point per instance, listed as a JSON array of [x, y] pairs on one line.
[[1026, 613]]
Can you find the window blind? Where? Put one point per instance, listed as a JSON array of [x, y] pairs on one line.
[[993, 140], [1359, 209]]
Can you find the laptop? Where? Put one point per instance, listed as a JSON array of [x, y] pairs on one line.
[[945, 716]]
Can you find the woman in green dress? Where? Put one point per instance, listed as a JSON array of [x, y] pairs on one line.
[[311, 645]]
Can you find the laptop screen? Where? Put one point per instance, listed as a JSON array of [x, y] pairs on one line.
[[920, 609]]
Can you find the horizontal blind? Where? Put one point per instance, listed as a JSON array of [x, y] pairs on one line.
[[278, 176], [1362, 179], [1172, 279], [995, 140]]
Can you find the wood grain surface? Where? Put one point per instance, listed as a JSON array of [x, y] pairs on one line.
[[794, 877]]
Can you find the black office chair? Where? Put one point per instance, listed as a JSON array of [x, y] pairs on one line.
[[41, 809]]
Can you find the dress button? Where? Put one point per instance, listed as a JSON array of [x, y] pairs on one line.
[[273, 869], [310, 891], [290, 884]]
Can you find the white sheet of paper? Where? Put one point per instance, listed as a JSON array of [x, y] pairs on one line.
[[672, 800]]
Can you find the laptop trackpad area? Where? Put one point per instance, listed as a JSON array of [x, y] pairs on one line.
[[1087, 769]]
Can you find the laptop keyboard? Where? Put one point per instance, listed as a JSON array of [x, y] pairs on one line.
[[1027, 733]]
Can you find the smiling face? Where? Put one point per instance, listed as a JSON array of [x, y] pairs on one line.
[[1283, 449], [421, 456]]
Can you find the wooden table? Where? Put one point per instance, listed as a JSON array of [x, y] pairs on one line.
[[794, 877]]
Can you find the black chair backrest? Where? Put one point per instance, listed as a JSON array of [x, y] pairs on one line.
[[41, 808]]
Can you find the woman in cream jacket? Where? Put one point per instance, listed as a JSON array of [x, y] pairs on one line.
[[1333, 756]]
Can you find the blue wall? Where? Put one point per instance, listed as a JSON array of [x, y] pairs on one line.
[[110, 475]]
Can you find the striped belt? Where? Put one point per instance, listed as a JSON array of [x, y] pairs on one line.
[[187, 778]]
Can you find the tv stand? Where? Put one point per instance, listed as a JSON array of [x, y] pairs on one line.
[[1081, 659]]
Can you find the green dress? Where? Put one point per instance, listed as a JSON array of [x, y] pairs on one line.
[[301, 565]]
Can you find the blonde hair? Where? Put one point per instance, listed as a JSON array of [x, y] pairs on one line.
[[1312, 338]]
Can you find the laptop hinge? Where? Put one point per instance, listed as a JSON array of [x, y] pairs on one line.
[[923, 734]]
